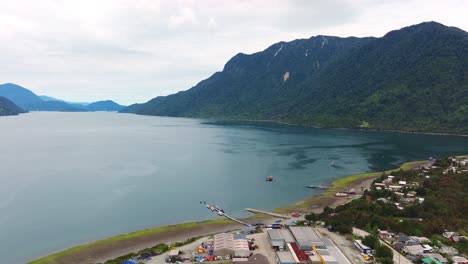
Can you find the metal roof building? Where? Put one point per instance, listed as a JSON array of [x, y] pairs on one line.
[[306, 237], [225, 244], [285, 257], [280, 237]]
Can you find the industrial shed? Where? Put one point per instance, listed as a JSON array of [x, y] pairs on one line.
[[280, 237], [285, 257], [226, 245], [223, 244], [306, 237], [241, 248]]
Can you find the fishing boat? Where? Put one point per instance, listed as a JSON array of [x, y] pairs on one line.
[[340, 194], [269, 178], [311, 186]]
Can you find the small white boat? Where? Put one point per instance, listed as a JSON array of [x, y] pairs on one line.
[[340, 194]]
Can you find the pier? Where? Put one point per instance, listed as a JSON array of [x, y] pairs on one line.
[[236, 220], [255, 211]]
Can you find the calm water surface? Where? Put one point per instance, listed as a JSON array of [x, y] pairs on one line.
[[68, 178]]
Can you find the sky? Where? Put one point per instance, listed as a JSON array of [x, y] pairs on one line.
[[131, 51]]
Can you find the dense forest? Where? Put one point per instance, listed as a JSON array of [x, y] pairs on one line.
[[445, 205], [412, 79]]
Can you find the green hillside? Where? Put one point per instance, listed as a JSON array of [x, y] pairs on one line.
[[412, 79], [7, 107]]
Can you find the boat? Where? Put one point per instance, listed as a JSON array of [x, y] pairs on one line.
[[340, 194], [311, 186], [350, 191], [269, 178], [208, 206], [220, 213]]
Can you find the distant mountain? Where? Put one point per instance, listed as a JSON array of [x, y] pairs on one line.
[[30, 101], [48, 98], [107, 105], [412, 79], [7, 107], [74, 104]]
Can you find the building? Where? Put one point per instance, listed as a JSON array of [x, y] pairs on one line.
[[241, 248], [285, 257], [363, 248], [439, 257], [383, 234], [306, 237], [279, 238], [448, 250], [414, 250], [226, 245], [329, 259], [421, 240], [459, 260], [430, 261], [223, 244]]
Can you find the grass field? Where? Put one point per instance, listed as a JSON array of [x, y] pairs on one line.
[[115, 239]]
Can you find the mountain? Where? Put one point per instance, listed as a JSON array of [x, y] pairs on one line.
[[107, 105], [7, 107], [48, 98], [30, 101], [411, 79]]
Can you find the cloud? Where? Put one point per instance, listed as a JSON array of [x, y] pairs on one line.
[[133, 50]]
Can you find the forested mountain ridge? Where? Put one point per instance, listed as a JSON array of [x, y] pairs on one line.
[[412, 79], [7, 107], [28, 100], [107, 105]]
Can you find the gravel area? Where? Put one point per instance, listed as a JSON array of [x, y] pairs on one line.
[[264, 246]]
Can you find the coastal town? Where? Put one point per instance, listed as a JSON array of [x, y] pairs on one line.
[[396, 219]]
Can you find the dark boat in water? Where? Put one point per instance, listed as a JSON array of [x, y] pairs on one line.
[[311, 186], [269, 178]]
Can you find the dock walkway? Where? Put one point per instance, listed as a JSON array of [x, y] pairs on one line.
[[255, 211], [236, 220]]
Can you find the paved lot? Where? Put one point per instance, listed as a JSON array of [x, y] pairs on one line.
[[264, 246], [335, 251], [347, 247]]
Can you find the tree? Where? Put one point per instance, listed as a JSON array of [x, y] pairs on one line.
[[370, 241], [311, 217], [383, 252]]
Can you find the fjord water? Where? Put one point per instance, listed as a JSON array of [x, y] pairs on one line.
[[69, 178]]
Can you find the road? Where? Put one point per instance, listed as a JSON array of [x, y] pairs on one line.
[[397, 257], [335, 251]]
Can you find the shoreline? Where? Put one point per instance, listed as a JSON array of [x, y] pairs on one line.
[[115, 246], [333, 128]]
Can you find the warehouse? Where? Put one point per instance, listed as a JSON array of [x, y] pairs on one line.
[[223, 244], [279, 238], [226, 245], [285, 257], [306, 237]]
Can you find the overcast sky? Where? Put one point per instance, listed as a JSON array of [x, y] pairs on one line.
[[133, 50]]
